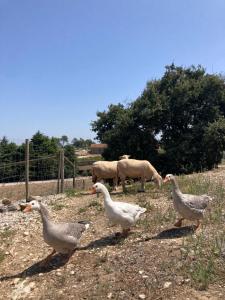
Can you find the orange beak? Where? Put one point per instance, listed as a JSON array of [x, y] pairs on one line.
[[28, 208], [93, 190], [165, 180]]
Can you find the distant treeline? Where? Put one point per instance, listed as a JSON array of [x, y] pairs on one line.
[[43, 156]]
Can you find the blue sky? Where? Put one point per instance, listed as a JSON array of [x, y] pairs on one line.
[[62, 61]]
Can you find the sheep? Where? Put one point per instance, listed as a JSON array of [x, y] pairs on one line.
[[105, 170], [124, 156], [137, 169]]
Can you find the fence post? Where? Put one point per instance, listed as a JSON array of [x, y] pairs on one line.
[[59, 173], [27, 156], [74, 174], [62, 171]]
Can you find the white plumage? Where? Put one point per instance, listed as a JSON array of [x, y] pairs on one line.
[[120, 213]]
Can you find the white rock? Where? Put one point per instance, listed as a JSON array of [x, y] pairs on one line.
[[109, 296], [72, 272], [167, 284], [142, 296], [26, 233], [141, 272]]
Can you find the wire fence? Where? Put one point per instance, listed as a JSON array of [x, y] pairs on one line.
[[26, 173]]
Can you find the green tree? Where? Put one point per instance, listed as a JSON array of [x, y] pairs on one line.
[[64, 140], [171, 123], [82, 143]]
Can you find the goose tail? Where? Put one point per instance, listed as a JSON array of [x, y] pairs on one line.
[[85, 223]]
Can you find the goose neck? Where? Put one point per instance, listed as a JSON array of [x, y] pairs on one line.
[[106, 195], [44, 214], [175, 186]]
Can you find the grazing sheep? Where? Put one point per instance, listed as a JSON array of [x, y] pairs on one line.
[[105, 170], [134, 168], [125, 156]]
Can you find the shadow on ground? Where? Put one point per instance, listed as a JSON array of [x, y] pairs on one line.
[[172, 233], [56, 262], [109, 240]]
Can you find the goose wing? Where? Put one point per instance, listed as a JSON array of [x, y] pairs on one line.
[[129, 208], [196, 202], [74, 230]]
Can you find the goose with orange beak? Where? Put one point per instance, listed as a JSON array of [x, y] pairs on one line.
[[62, 237], [190, 207], [119, 213]]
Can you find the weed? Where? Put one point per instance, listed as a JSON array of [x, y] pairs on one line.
[[82, 210], [202, 273], [70, 193], [201, 255], [96, 205], [2, 256], [58, 206], [7, 233]]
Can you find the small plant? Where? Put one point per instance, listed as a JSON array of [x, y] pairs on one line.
[[97, 205], [2, 256], [202, 273], [82, 210], [58, 206], [70, 193], [7, 233]]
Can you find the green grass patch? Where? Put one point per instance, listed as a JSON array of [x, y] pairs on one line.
[[58, 206], [70, 193], [7, 233], [98, 206]]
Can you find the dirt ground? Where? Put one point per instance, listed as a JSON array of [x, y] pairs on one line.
[[148, 264]]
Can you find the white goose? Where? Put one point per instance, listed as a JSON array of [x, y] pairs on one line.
[[120, 213]]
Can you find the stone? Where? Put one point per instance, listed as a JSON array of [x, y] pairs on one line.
[[3, 208], [142, 296], [6, 201], [167, 284], [12, 208], [37, 198]]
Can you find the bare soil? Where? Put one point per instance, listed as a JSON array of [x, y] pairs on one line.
[[146, 265]]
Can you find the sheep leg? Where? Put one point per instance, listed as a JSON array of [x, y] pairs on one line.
[[115, 182], [94, 178], [45, 261], [142, 185], [179, 222], [123, 185]]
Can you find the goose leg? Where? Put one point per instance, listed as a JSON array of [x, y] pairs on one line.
[[125, 232], [179, 222], [198, 225], [45, 261]]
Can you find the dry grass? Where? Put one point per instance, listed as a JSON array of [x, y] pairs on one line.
[[157, 260]]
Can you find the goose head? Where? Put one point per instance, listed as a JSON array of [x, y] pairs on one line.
[[32, 205], [169, 177], [98, 188]]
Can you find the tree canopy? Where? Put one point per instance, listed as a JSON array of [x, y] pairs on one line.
[[177, 122]]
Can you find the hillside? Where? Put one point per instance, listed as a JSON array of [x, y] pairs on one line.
[[156, 261]]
